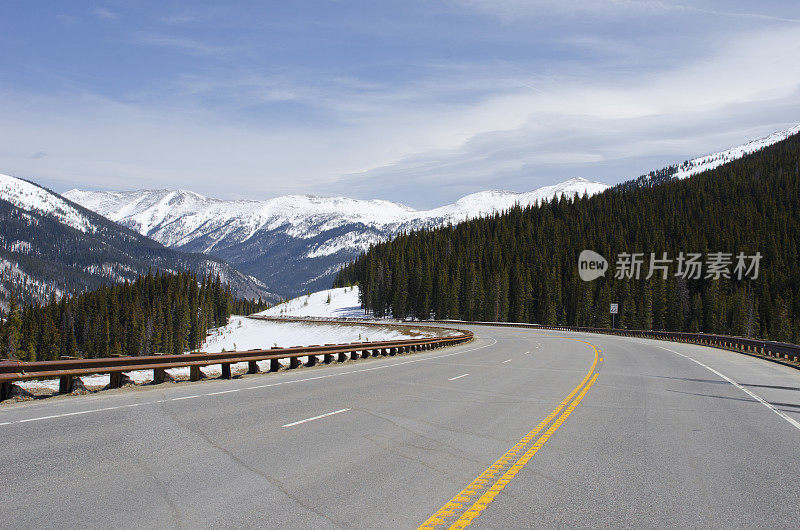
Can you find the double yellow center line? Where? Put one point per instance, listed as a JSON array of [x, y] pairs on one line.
[[462, 509]]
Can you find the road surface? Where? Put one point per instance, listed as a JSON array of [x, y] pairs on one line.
[[559, 429]]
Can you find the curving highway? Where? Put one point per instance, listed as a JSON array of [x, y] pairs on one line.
[[519, 428]]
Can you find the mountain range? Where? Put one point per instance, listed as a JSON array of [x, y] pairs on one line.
[[294, 243], [50, 246]]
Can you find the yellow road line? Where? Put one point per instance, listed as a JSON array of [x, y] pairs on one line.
[[481, 504], [503, 466]]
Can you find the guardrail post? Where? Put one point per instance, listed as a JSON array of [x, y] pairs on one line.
[[294, 362], [194, 373], [274, 365], [115, 381], [226, 370], [328, 359], [312, 360], [392, 352], [5, 390], [354, 355], [342, 357], [252, 367], [65, 384], [159, 375]]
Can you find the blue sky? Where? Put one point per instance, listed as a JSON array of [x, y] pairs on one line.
[[416, 101]]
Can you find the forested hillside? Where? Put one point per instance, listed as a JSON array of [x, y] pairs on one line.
[[523, 265], [156, 313]]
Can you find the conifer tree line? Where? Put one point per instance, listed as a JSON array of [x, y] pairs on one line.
[[522, 266], [160, 312]]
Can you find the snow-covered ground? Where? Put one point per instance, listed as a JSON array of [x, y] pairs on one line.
[[244, 333], [343, 303], [704, 163]]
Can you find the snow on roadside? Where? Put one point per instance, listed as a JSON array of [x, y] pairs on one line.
[[244, 333], [330, 303]]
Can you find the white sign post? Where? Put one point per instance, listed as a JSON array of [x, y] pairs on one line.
[[614, 310]]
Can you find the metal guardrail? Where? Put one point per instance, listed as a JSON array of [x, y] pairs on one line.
[[66, 370], [768, 349]]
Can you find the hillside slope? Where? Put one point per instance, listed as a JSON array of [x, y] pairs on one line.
[[523, 265], [50, 245]]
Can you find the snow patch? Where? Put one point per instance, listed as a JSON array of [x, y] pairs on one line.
[[341, 302]]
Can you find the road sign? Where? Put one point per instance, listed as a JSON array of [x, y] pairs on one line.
[[614, 309]]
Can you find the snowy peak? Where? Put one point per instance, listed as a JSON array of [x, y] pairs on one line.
[[32, 198], [507, 199], [295, 242], [177, 218], [706, 162]]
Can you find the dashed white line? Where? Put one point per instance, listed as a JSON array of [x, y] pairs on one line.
[[315, 418], [458, 377], [794, 423], [254, 387], [507, 361]]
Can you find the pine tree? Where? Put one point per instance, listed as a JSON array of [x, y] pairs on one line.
[[12, 331]]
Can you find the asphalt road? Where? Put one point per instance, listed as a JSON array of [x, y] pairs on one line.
[[561, 429]]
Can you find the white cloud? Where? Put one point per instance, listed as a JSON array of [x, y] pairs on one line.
[[103, 12], [183, 44], [472, 126], [514, 10]]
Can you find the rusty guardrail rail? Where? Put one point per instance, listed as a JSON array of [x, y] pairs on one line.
[[66, 370], [762, 348]]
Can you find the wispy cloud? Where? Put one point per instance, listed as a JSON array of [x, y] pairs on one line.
[[510, 10], [219, 105], [183, 44], [67, 20], [105, 13]]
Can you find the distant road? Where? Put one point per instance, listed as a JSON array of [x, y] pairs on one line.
[[559, 429]]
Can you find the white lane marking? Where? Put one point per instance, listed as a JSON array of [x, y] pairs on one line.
[[794, 423], [315, 418], [186, 397], [527, 352], [255, 387], [81, 412], [506, 361], [458, 377]]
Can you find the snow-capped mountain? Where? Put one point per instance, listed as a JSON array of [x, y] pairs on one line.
[[704, 163], [35, 199], [293, 243], [50, 246]]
